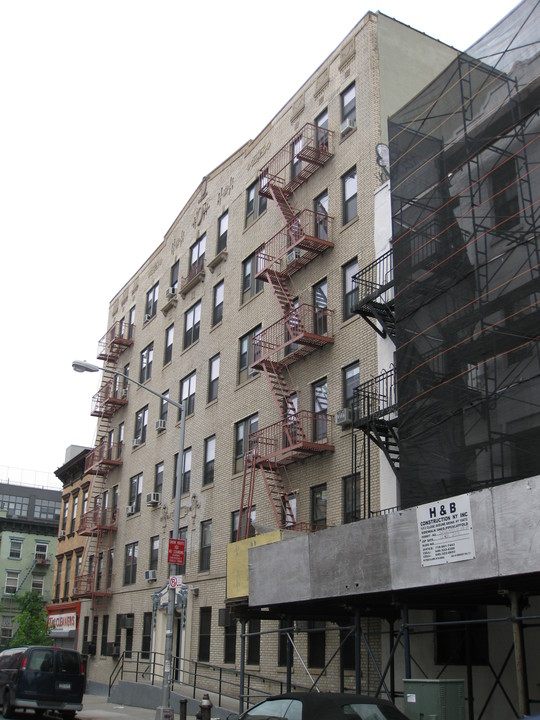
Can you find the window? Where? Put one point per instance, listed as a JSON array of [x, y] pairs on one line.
[[504, 183], [320, 303], [151, 302], [248, 353], [58, 580], [296, 162], [349, 196], [284, 631], [47, 509], [130, 563], [99, 571], [223, 227], [12, 582], [85, 497], [348, 106], [321, 123], [129, 634], [217, 311], [147, 356], [120, 440], [250, 284], [209, 459], [254, 642], [158, 478], [320, 407], [74, 506], [351, 499], [141, 423], [192, 324], [321, 216], [316, 644], [65, 512], [104, 634], [67, 577], [169, 337], [242, 430], [14, 504], [350, 289], [196, 256], [110, 566], [213, 378], [318, 507], [135, 491], [175, 271], [186, 472], [182, 535], [229, 646], [255, 203], [351, 380], [131, 322], [41, 552], [206, 545], [15, 549], [146, 643], [292, 329], [154, 553], [78, 563], [164, 406], [187, 393], [205, 623], [235, 519]]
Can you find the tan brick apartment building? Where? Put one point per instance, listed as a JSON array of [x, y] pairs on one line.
[[242, 313]]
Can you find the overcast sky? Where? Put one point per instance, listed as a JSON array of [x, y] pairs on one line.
[[101, 104]]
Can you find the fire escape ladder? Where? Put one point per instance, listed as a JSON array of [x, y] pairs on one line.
[[281, 198], [281, 292], [278, 492], [373, 295], [282, 393], [248, 489]]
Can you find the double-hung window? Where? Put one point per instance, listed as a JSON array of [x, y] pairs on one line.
[[248, 352], [164, 406], [318, 507], [223, 227], [255, 203], [350, 289], [209, 459], [251, 285], [158, 478], [175, 271], [321, 123], [151, 302], [213, 378], [351, 380], [147, 355], [321, 216], [154, 553], [130, 563], [15, 549], [192, 324], [349, 183], [196, 256], [320, 408], [243, 430], [135, 491], [320, 304], [217, 309], [206, 545], [348, 108], [141, 423], [169, 338], [186, 471], [187, 393]]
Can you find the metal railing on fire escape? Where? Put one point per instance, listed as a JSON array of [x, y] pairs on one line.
[[302, 328]]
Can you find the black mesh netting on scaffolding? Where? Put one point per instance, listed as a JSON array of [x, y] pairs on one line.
[[465, 189]]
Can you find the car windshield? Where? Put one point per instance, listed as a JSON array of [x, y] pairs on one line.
[[281, 709]]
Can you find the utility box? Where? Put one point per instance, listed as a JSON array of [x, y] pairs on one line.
[[434, 699]]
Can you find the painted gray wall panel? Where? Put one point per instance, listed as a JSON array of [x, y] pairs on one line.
[[383, 554]]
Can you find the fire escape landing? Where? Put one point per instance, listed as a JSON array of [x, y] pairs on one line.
[[302, 329]]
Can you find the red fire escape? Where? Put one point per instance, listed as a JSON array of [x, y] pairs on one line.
[[302, 329], [100, 522]]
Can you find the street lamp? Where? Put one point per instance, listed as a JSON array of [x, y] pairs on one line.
[[83, 366]]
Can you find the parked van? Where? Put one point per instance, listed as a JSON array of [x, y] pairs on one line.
[[41, 678]]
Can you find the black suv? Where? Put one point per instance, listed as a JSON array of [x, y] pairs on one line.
[[41, 678]]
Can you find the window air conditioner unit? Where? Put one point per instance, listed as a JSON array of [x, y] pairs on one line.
[[112, 650], [344, 417], [150, 575], [136, 442], [292, 255], [124, 393], [128, 622], [347, 126], [161, 425], [171, 292], [62, 533], [147, 318], [153, 499], [130, 509]]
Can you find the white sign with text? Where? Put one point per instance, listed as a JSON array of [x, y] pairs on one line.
[[445, 531]]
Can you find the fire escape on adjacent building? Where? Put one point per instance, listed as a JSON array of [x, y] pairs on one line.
[[301, 330], [99, 523]]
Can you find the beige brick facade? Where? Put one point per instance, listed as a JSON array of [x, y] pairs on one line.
[[357, 60]]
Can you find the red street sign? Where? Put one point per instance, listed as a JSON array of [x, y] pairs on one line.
[[177, 552]]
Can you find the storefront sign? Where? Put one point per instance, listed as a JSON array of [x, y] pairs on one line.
[[62, 623]]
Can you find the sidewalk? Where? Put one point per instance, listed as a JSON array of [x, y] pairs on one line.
[[97, 707]]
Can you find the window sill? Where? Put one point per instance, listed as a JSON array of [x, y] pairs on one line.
[[220, 257], [349, 224]]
